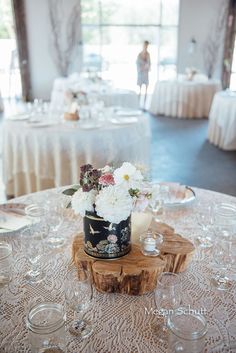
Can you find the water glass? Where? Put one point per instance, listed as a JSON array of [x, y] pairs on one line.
[[167, 298], [187, 331], [46, 327], [225, 216], [224, 257], [33, 249], [6, 263], [79, 296]]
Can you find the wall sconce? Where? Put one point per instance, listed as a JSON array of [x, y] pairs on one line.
[[192, 45]]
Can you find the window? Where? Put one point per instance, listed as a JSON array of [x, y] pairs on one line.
[[113, 32]]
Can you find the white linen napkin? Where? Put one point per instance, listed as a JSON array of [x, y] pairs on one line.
[[10, 221]]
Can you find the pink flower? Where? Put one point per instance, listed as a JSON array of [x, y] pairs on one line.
[[106, 179], [112, 238]]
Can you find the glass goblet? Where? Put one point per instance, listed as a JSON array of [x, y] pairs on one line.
[[205, 221], [224, 257], [33, 249], [79, 296], [159, 199], [167, 298]]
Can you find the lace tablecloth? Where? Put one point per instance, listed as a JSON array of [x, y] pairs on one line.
[[121, 322]]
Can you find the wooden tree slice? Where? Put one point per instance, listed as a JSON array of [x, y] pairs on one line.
[[177, 252], [133, 274]]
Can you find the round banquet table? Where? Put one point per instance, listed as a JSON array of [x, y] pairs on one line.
[[37, 158], [110, 96], [183, 98], [222, 121], [121, 322]]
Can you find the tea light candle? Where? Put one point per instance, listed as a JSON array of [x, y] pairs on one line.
[[149, 244]]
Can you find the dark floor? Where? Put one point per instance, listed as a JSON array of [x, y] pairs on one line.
[[181, 152]]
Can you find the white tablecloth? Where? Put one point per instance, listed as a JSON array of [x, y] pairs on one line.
[[1, 103], [110, 96], [183, 99], [121, 323], [36, 158], [222, 121]]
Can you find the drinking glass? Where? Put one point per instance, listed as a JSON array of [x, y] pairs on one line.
[[161, 196], [79, 296], [167, 298], [187, 331], [6, 262], [224, 257], [225, 217], [46, 326], [54, 218], [36, 214], [205, 221], [33, 249]]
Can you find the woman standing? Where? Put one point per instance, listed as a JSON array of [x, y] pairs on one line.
[[143, 67]]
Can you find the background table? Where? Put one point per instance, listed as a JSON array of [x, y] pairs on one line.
[[121, 322], [37, 158], [222, 121], [105, 92], [183, 99]]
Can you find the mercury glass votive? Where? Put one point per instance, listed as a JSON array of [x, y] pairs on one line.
[[150, 243]]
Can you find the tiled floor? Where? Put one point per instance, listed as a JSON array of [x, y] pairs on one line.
[[180, 152]]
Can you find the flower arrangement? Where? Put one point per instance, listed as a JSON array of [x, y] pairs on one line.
[[111, 193], [190, 72]]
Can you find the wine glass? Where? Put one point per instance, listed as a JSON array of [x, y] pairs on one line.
[[32, 246], [167, 298], [160, 196], [205, 221], [79, 296], [224, 257], [55, 206]]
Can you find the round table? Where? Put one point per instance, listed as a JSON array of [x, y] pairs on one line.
[[122, 323], [109, 95], [183, 98], [222, 121], [39, 157]]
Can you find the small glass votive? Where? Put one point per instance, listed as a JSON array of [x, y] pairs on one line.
[[6, 262], [46, 326], [150, 243], [187, 331]]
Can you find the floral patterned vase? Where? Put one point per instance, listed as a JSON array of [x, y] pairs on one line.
[[106, 240]]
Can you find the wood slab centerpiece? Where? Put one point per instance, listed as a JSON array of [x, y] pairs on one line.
[[105, 198], [135, 273]]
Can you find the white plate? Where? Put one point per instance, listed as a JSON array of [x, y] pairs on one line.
[[15, 209], [124, 120], [39, 124], [19, 117], [90, 125], [189, 196], [127, 112]]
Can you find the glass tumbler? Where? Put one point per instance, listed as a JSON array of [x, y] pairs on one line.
[[6, 262], [187, 331], [46, 326]]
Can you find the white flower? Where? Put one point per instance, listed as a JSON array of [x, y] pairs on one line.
[[106, 169], [83, 201], [128, 175], [114, 204]]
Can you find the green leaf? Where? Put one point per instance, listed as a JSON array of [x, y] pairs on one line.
[[69, 192]]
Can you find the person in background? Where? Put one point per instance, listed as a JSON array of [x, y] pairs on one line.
[[143, 67]]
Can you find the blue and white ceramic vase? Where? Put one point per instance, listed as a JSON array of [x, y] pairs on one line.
[[106, 240]]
